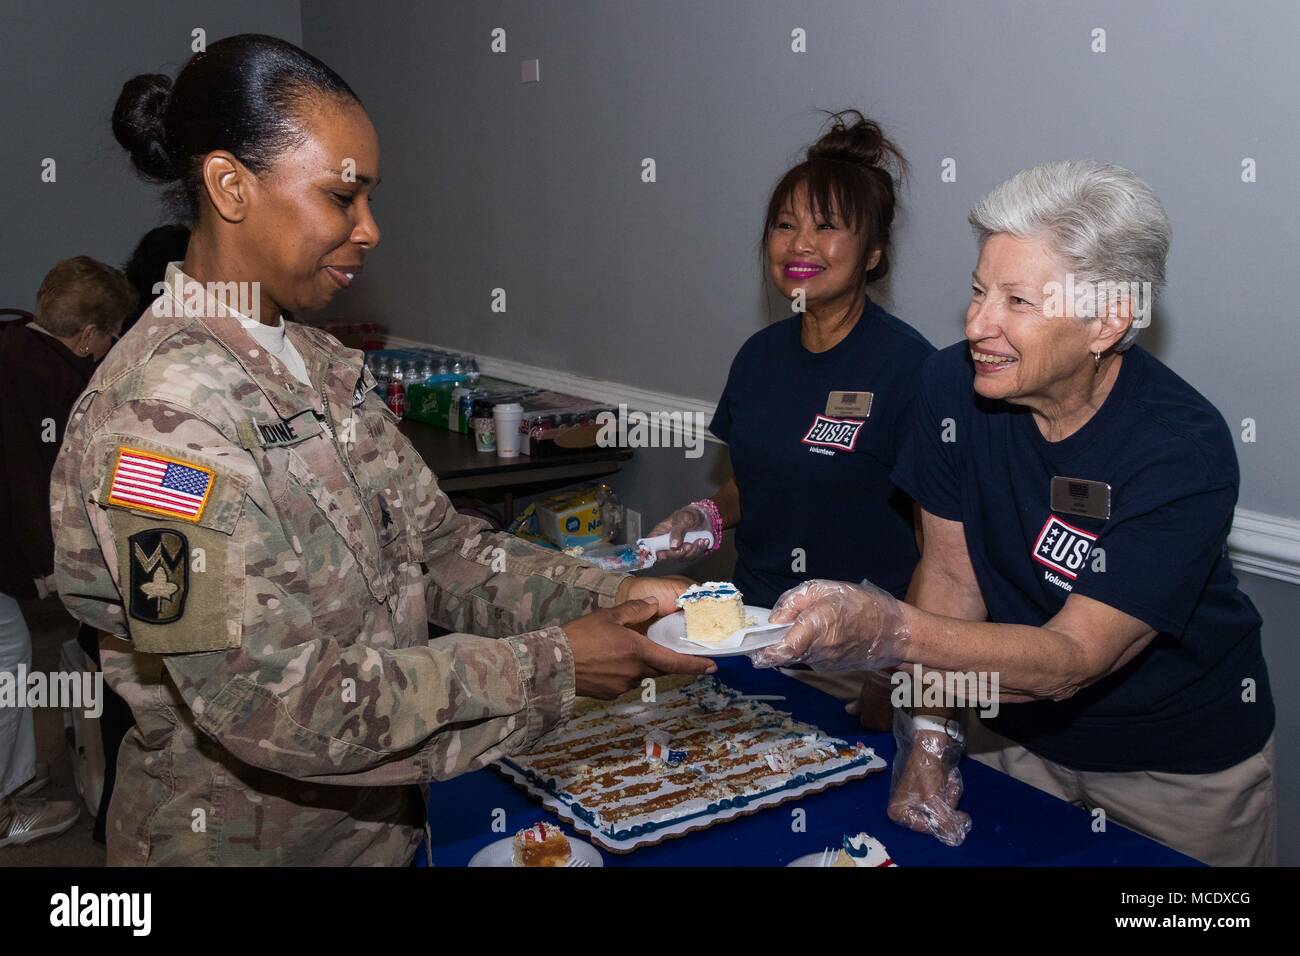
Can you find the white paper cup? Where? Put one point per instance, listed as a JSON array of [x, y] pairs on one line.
[[507, 418]]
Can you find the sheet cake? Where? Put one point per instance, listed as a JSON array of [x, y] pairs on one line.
[[629, 773]]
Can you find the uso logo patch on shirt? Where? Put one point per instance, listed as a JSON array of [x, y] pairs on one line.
[[1063, 547], [160, 485], [841, 433]]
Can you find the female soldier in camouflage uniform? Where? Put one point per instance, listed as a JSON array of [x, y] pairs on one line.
[[237, 508]]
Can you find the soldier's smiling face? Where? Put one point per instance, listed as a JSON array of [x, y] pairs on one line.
[[312, 223]]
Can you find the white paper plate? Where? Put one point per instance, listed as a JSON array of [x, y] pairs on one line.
[[670, 632], [815, 860], [501, 853]]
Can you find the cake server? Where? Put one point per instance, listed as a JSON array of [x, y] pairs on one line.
[[659, 542]]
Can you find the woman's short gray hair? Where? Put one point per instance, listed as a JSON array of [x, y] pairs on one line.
[[1101, 220], [82, 291]]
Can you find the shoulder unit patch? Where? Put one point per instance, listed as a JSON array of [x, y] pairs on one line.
[[159, 575]]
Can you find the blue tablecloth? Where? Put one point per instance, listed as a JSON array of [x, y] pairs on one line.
[[1014, 824]]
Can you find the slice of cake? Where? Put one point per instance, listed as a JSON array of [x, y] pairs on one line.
[[862, 850], [713, 611], [542, 844]]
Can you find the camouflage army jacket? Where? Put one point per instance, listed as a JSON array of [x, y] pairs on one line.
[[266, 556]]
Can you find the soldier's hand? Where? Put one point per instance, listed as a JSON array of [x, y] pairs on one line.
[[665, 590], [610, 658]]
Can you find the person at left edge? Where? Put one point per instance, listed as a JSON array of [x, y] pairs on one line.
[[816, 405], [44, 366], [236, 507]]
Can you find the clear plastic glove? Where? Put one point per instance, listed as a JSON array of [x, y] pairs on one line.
[[675, 526], [837, 627], [926, 785]]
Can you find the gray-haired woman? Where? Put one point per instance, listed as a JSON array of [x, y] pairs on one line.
[[1077, 495]]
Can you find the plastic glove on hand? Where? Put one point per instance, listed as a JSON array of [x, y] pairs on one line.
[[837, 626]]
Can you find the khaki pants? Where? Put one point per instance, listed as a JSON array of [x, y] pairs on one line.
[[1226, 818]]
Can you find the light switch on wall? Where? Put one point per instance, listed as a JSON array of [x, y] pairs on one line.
[[531, 71]]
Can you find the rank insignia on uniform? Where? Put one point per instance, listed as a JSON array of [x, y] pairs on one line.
[[159, 575], [147, 481]]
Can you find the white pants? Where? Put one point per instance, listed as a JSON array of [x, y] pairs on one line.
[[17, 732]]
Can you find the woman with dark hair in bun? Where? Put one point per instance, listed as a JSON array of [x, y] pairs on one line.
[[236, 509], [815, 405]]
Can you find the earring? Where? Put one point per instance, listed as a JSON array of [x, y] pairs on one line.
[[1096, 358]]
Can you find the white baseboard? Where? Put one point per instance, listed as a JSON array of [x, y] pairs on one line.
[[1263, 544], [614, 393]]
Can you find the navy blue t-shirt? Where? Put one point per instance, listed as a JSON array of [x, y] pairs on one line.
[[1160, 557], [816, 500]]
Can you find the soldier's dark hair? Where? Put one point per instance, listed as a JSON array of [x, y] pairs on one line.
[[854, 169], [247, 94], [148, 263]]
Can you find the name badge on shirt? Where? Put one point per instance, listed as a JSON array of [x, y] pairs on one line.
[[1078, 496], [848, 404]]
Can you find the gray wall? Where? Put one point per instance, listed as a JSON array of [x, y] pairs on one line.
[[62, 65], [536, 188]]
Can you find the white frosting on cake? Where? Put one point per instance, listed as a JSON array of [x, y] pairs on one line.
[[716, 590], [713, 611], [628, 764], [536, 835], [863, 850]]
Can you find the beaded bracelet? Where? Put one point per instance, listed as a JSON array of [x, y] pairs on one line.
[[710, 510]]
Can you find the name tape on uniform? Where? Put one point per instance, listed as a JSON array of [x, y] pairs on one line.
[[278, 432]]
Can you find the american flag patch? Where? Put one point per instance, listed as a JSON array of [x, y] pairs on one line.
[[160, 485]]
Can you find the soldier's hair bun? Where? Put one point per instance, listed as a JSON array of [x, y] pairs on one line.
[[251, 95], [139, 124]]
